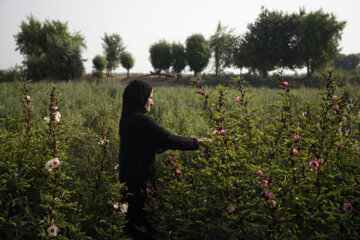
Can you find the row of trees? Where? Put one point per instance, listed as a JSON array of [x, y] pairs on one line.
[[50, 50], [274, 40]]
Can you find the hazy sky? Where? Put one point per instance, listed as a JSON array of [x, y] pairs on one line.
[[141, 23]]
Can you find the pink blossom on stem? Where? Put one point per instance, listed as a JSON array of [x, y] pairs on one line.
[[294, 151], [314, 164], [348, 207], [320, 160], [296, 138], [231, 209], [201, 91], [272, 202], [216, 132], [178, 172], [269, 194], [259, 172], [285, 84], [304, 114], [148, 190], [238, 98], [116, 167], [169, 157], [203, 150], [223, 132], [334, 98], [263, 182], [339, 146]]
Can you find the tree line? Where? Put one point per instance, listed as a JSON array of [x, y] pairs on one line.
[[275, 40]]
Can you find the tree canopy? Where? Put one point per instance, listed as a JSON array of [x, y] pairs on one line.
[[178, 56], [50, 50], [198, 52], [113, 46], [347, 62], [160, 56]]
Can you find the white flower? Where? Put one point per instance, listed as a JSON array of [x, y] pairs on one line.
[[55, 162], [47, 120], [116, 206], [57, 116], [52, 231], [28, 98], [124, 208], [103, 141], [52, 163], [116, 167], [48, 165]]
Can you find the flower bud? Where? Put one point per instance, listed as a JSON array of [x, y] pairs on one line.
[[285, 84]]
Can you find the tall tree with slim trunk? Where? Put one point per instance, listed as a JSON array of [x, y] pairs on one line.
[[222, 45], [113, 46], [127, 61], [160, 56]]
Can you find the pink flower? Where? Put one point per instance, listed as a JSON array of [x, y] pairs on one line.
[[339, 146], [116, 167], [285, 84], [156, 207], [148, 190], [178, 172], [238, 98], [269, 194], [294, 151], [348, 207], [223, 132], [263, 182], [314, 164], [272, 202], [296, 138], [320, 160], [334, 98], [201, 91], [169, 158], [116, 206], [237, 147], [216, 132], [304, 114], [259, 172], [203, 150], [231, 209]]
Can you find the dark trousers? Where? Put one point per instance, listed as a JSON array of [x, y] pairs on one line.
[[137, 218]]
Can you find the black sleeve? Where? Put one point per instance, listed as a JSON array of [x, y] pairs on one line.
[[167, 140], [171, 141]]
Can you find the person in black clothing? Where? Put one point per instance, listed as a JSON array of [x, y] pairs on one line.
[[140, 139]]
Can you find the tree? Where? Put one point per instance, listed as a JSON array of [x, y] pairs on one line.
[[50, 50], [178, 56], [99, 65], [222, 45], [160, 56], [269, 42], [127, 61], [198, 52], [113, 46], [347, 62], [317, 39]]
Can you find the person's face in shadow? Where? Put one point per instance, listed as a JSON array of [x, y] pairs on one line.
[[149, 102]]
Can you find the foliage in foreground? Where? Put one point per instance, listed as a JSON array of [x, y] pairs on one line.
[[218, 194], [296, 178]]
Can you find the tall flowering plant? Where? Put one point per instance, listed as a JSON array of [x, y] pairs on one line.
[[290, 179]]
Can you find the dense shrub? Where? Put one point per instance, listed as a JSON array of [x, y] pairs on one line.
[[296, 178]]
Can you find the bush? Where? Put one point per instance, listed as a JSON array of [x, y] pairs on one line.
[[296, 178]]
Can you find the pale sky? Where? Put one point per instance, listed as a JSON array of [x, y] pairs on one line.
[[141, 23]]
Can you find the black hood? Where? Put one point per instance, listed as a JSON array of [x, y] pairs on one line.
[[135, 97]]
